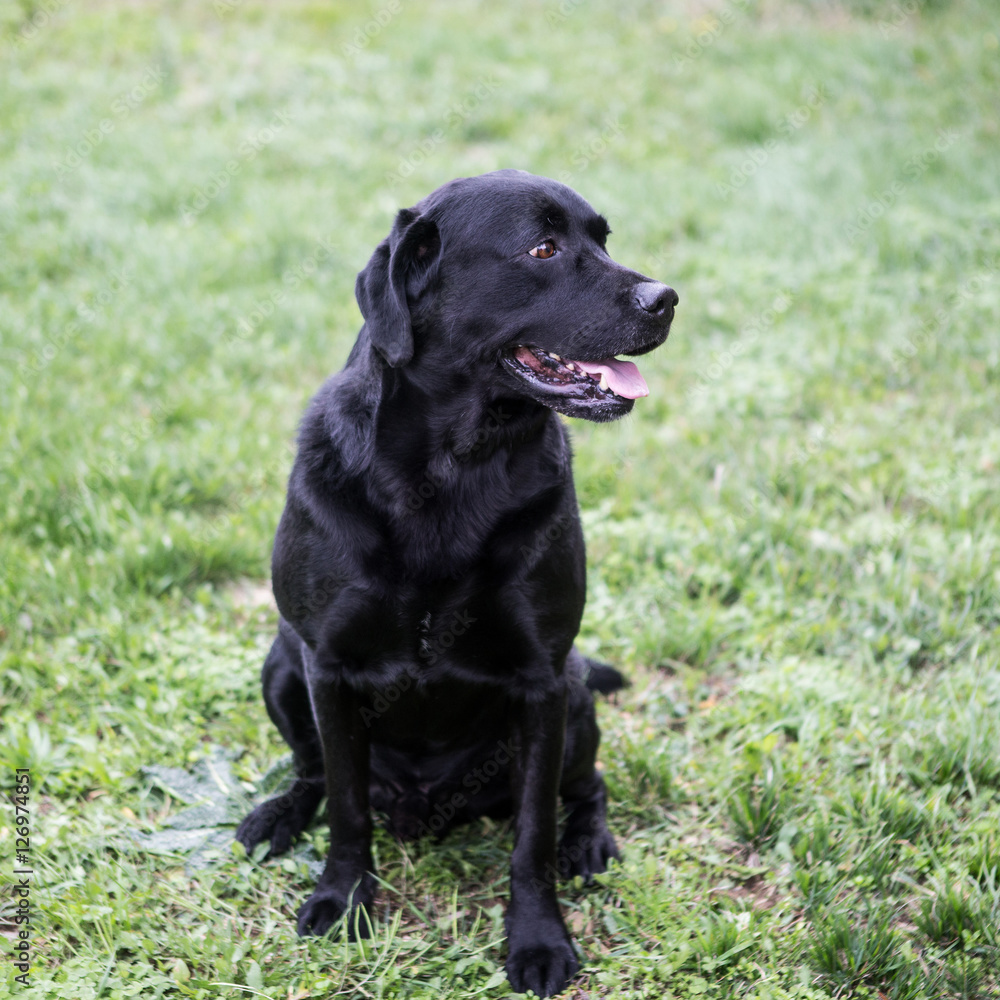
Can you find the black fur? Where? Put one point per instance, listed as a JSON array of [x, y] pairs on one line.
[[429, 565]]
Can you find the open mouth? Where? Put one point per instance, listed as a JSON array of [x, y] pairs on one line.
[[607, 379]]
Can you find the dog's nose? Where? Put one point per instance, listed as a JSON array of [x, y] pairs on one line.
[[656, 298]]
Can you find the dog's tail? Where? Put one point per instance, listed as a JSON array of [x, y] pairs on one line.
[[604, 678]]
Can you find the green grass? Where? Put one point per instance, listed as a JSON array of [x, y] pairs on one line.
[[793, 543]]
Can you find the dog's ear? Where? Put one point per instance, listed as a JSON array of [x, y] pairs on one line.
[[400, 269]]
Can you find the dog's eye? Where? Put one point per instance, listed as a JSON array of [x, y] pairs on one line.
[[543, 250]]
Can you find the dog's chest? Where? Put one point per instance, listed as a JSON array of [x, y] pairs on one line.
[[410, 637], [437, 634]]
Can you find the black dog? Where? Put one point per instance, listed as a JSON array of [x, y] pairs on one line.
[[429, 565]]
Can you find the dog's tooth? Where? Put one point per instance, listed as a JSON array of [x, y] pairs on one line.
[[555, 357], [571, 366], [604, 382]]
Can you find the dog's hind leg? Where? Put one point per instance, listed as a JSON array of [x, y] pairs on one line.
[[281, 819], [586, 845]]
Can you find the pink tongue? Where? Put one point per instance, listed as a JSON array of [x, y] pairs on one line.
[[623, 376]]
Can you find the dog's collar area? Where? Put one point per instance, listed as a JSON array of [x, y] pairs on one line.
[[609, 377]]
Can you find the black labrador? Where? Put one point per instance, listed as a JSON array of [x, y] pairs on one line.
[[429, 565]]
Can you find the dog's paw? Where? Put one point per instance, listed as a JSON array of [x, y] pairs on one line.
[[280, 820], [545, 969], [324, 908], [586, 853]]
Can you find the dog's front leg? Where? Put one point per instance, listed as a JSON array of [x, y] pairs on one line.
[[541, 955], [347, 880]]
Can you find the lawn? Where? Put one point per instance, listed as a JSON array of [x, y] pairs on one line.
[[793, 543]]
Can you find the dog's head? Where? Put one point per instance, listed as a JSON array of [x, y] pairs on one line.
[[504, 280]]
